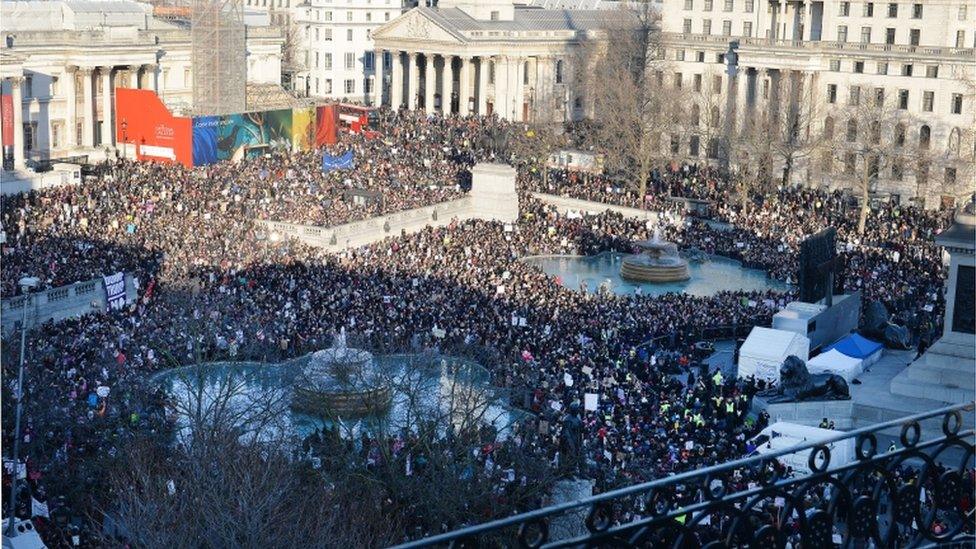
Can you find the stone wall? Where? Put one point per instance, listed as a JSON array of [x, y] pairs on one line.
[[565, 204], [492, 197], [60, 303], [375, 229]]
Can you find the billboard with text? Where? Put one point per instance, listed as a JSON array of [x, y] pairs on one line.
[[238, 136], [146, 124]]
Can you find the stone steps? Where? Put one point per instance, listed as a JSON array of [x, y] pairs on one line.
[[903, 384], [944, 373]]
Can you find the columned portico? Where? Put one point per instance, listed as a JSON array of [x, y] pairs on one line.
[[507, 72]]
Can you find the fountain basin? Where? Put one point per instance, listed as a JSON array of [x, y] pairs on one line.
[[641, 268], [658, 262], [707, 277]]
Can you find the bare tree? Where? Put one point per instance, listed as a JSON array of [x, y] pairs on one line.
[[446, 454], [622, 75], [870, 137], [796, 139]]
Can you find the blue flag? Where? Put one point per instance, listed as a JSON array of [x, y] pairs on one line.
[[344, 162]]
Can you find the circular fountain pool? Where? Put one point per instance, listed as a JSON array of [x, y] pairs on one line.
[[269, 397], [706, 277]]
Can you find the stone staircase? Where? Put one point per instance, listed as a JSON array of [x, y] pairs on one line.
[[945, 373], [894, 389]]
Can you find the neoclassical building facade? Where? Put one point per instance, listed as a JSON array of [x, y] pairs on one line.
[[910, 63], [485, 57], [61, 60]]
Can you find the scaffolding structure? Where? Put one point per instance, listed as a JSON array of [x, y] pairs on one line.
[[218, 56]]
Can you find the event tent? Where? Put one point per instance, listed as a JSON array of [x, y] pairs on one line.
[[835, 362], [765, 349], [861, 348]]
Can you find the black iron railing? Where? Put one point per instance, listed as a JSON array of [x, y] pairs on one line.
[[918, 494]]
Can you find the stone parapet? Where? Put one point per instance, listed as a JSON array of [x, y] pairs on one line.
[[60, 303]]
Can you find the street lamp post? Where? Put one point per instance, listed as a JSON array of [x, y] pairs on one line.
[[27, 284], [125, 136]]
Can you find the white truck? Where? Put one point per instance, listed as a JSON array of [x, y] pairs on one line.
[[783, 435]]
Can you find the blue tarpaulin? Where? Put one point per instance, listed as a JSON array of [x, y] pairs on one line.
[[856, 346], [344, 162]]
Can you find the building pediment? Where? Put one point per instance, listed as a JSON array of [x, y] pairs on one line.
[[415, 26]]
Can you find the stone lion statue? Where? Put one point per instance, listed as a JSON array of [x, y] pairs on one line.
[[797, 384]]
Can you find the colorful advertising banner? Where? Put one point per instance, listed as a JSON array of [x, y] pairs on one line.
[[303, 129], [142, 120], [326, 125], [239, 136]]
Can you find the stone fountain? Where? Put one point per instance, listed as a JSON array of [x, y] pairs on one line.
[[658, 262], [341, 381]]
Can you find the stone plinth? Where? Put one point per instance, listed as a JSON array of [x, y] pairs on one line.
[[493, 192], [841, 412], [946, 373]]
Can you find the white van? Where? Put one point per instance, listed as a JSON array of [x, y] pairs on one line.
[[782, 435]]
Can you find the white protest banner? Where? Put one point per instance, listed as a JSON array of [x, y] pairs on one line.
[[102, 391], [567, 380], [39, 509], [590, 401]]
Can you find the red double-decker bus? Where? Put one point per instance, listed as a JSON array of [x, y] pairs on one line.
[[357, 118]]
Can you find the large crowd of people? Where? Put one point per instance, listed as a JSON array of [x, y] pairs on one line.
[[211, 284]]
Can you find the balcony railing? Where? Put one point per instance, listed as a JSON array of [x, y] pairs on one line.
[[821, 46], [917, 494]]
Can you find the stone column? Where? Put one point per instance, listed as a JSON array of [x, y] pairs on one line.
[[396, 80], [154, 70], [16, 90], [71, 116], [482, 85], [502, 106], [517, 105], [378, 78], [413, 84], [88, 123], [106, 106], [430, 82], [447, 83], [762, 77], [742, 101], [132, 72], [464, 87]]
